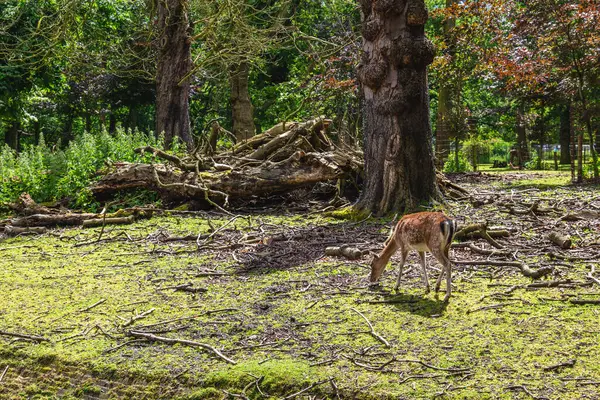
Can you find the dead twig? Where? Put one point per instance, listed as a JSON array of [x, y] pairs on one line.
[[524, 389], [137, 317], [3, 373], [373, 333], [154, 338], [35, 338], [568, 363], [93, 305]]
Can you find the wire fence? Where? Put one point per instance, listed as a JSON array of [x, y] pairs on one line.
[[501, 154]]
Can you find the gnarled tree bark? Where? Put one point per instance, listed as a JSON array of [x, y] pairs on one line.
[[172, 74], [399, 167]]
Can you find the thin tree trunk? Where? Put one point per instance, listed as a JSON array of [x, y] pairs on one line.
[[565, 135], [241, 107], [37, 132], [88, 121], [442, 138], [11, 135], [580, 157], [112, 122], [521, 136], [588, 125], [399, 167], [573, 155], [541, 140], [132, 118], [68, 130], [173, 69]]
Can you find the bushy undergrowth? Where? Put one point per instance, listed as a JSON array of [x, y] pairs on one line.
[[49, 173], [463, 164]]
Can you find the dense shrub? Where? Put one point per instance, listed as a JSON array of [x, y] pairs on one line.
[[49, 173], [463, 163]]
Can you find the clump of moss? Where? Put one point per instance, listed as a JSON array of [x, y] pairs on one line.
[[276, 376], [348, 213], [205, 394]]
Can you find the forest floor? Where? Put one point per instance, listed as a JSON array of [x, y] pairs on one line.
[[77, 307]]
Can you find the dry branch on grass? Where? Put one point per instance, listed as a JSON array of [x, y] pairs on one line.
[[34, 338], [35, 219], [154, 338]]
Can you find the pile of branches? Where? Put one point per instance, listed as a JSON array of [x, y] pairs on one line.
[[286, 157]]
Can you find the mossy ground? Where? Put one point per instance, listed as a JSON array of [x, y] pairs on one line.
[[290, 327]]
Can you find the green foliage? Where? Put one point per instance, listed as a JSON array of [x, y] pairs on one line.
[[588, 169], [48, 173], [463, 163], [534, 164]]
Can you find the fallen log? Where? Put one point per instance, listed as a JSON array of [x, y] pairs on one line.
[[36, 220], [525, 270], [351, 253], [178, 162], [25, 205], [476, 231], [91, 223], [264, 137], [301, 169], [563, 241], [10, 230], [305, 132]]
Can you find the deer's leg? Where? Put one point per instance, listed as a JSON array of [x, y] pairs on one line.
[[438, 283], [402, 260], [424, 276], [448, 281], [442, 257]]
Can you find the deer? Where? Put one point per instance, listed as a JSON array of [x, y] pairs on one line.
[[423, 231]]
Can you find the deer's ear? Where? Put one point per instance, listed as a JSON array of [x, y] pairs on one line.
[[375, 257]]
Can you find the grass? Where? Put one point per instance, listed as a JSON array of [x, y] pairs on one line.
[[287, 328]]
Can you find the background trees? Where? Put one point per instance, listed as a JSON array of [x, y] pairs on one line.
[[508, 77]]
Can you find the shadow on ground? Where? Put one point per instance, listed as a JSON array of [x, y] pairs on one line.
[[414, 304], [287, 247]]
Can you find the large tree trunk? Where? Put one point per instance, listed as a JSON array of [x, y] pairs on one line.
[[565, 135], [172, 74], [11, 135], [242, 112], [442, 138], [399, 168]]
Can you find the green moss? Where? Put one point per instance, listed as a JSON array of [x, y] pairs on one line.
[[205, 394], [350, 213], [287, 328], [276, 376], [88, 388]]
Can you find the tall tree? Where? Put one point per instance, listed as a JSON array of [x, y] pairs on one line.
[[399, 167], [173, 72], [564, 134], [241, 106], [443, 132], [233, 37]]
